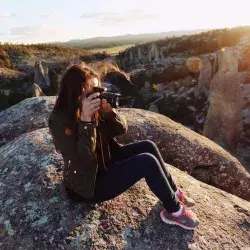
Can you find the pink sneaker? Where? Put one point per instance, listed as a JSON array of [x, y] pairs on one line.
[[187, 220], [185, 200]]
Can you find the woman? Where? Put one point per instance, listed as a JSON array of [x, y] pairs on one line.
[[96, 167]]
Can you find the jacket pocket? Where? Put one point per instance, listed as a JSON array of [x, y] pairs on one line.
[[74, 174], [79, 179]]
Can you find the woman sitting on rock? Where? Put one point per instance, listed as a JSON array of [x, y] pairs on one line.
[[96, 167]]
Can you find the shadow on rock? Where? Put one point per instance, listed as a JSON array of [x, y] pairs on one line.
[[153, 233]]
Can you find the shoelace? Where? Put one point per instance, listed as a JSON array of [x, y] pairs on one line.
[[181, 197], [186, 212]]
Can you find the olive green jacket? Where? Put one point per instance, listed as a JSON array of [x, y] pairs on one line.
[[79, 148]]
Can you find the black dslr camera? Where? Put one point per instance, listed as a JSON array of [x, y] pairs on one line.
[[112, 98]]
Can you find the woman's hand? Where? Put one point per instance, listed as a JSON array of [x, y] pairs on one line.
[[90, 105], [105, 107]]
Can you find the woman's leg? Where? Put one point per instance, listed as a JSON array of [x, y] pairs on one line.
[[124, 174], [145, 146]]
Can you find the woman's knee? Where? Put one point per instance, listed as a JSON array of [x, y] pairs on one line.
[[149, 160], [149, 144]]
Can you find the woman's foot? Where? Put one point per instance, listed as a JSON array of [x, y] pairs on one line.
[[184, 199], [187, 219]]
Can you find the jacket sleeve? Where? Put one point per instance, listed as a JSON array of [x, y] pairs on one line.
[[78, 149], [114, 124]]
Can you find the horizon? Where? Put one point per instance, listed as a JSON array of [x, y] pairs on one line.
[[74, 39], [33, 22]]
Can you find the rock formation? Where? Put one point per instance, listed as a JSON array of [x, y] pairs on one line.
[[147, 91], [153, 108], [180, 146], [42, 74], [140, 54], [160, 88], [243, 147], [205, 77], [223, 122], [37, 214], [154, 53], [36, 91], [3, 100]]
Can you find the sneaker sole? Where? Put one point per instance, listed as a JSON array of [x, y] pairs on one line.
[[174, 222]]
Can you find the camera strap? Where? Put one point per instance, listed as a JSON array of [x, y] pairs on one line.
[[96, 118]]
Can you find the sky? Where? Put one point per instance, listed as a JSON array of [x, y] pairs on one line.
[[31, 21]]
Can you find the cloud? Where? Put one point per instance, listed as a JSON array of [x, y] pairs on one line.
[[54, 13], [6, 15], [119, 18], [45, 15], [30, 31], [40, 33], [93, 15]]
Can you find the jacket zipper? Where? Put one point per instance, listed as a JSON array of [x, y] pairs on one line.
[[97, 123], [103, 161]]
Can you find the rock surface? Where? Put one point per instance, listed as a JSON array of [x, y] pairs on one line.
[[37, 214], [180, 146]]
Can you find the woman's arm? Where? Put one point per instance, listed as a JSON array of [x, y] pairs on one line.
[[79, 143], [114, 124]]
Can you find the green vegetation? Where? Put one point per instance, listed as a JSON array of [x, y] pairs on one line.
[[112, 50], [196, 44], [4, 58], [103, 43], [14, 54], [53, 50], [206, 42], [106, 45]]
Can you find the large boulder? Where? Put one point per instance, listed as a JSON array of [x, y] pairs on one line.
[[189, 151], [37, 214], [224, 119], [26, 116], [180, 146]]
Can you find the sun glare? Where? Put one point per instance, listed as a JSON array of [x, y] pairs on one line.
[[193, 64]]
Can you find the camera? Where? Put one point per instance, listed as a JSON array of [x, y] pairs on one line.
[[112, 98]]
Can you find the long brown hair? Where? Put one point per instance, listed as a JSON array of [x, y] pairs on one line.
[[70, 90], [105, 68]]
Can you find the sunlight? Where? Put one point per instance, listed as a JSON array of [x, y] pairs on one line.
[[193, 64]]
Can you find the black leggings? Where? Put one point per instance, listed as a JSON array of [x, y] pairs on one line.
[[131, 163]]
